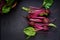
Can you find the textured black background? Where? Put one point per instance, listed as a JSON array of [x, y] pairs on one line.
[[12, 24]]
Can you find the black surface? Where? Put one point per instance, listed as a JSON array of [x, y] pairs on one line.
[[12, 24]]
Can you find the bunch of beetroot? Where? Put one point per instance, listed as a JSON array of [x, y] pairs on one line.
[[38, 20]]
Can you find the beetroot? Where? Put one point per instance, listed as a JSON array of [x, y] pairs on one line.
[[38, 17], [46, 28], [38, 27], [36, 20], [31, 23], [46, 20], [35, 13], [30, 16], [47, 11]]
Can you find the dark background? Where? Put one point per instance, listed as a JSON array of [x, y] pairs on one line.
[[12, 24]]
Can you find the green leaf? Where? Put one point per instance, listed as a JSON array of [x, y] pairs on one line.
[[26, 9], [47, 3], [42, 14], [53, 25], [28, 37], [5, 9], [46, 14], [29, 31]]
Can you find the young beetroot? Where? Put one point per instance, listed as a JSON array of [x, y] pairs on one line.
[[31, 16], [31, 23], [35, 13], [46, 28], [38, 26], [46, 20], [41, 27], [35, 20]]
